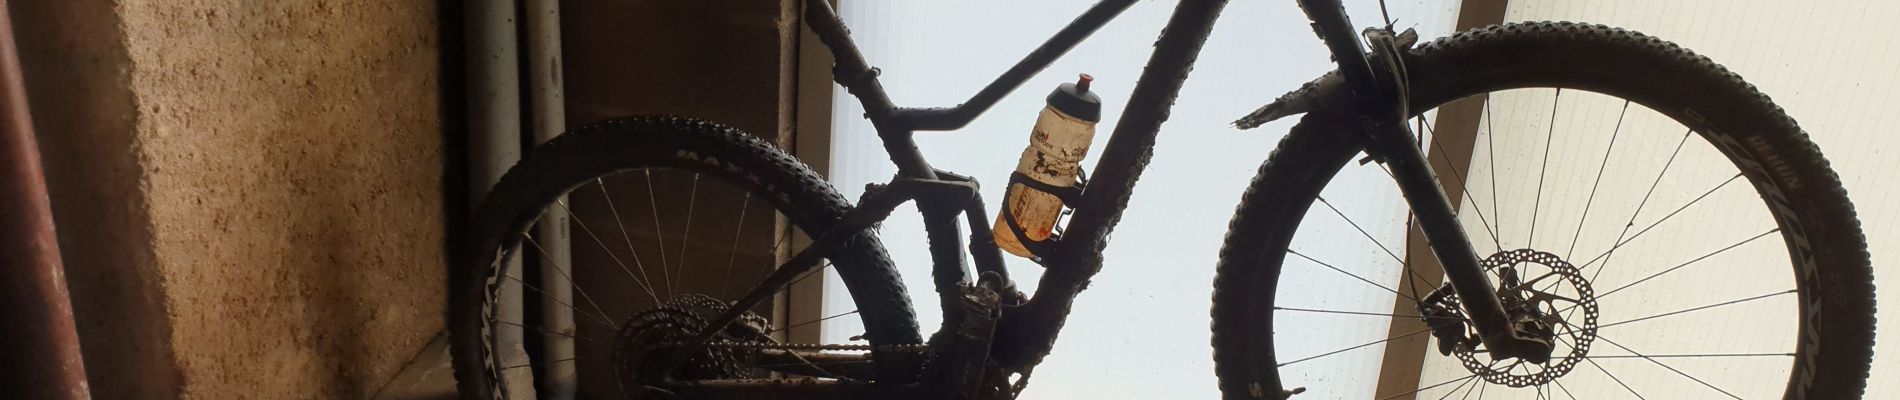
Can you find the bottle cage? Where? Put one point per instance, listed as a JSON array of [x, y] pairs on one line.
[[1070, 196]]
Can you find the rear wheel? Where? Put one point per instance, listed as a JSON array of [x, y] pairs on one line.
[[670, 221], [1666, 227]]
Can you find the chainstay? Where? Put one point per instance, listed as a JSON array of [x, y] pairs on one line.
[[727, 344]]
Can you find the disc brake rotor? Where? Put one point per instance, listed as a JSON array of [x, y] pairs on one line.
[[1556, 301]]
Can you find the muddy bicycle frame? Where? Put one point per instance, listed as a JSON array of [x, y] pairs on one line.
[[1371, 106]]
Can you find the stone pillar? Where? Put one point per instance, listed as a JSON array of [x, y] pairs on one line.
[[249, 195]]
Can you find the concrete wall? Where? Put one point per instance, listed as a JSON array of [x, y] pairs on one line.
[[249, 194]]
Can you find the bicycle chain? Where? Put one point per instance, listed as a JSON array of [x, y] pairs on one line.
[[727, 344]]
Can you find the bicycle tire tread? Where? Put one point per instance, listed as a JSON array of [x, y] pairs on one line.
[[603, 147], [1797, 168]]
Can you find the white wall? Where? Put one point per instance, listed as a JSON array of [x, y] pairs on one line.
[[1140, 331]]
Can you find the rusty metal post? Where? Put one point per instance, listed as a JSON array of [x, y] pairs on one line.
[[36, 318]]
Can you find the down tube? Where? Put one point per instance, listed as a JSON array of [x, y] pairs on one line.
[[1027, 333]]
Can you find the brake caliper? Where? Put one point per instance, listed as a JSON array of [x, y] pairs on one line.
[[1439, 310]]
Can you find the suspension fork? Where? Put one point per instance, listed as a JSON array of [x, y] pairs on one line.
[[1376, 84]]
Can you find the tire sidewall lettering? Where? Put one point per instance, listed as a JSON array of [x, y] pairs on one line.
[[1746, 156]]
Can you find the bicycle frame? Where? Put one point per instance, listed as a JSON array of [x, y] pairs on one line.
[[1026, 332]]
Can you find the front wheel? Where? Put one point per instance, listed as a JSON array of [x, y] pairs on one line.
[[1626, 197]]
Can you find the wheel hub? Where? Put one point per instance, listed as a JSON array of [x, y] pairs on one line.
[[653, 334], [1544, 296]]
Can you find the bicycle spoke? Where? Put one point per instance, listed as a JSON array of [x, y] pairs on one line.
[[1594, 183], [660, 235], [1537, 201], [1611, 356], [1454, 389], [809, 274], [793, 326], [783, 238], [570, 279], [1368, 282], [1310, 310], [1671, 369], [1407, 266], [1410, 221], [602, 319], [1431, 387], [731, 255], [1490, 148], [1700, 308], [543, 331], [1356, 347], [533, 364], [1475, 381], [1619, 381], [624, 236], [1639, 205], [1685, 206], [644, 283], [1686, 263], [1472, 389], [686, 238], [1362, 231], [1458, 177], [1639, 234], [1560, 387]]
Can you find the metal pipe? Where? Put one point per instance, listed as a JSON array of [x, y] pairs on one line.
[[494, 128], [36, 315], [558, 379]]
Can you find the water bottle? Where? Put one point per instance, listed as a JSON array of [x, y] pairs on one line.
[[1048, 170]]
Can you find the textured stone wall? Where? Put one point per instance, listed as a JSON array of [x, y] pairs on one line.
[[249, 194]]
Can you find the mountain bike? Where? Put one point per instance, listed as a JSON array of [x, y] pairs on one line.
[[1708, 310]]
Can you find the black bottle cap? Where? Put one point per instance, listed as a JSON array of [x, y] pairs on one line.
[[1077, 101]]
